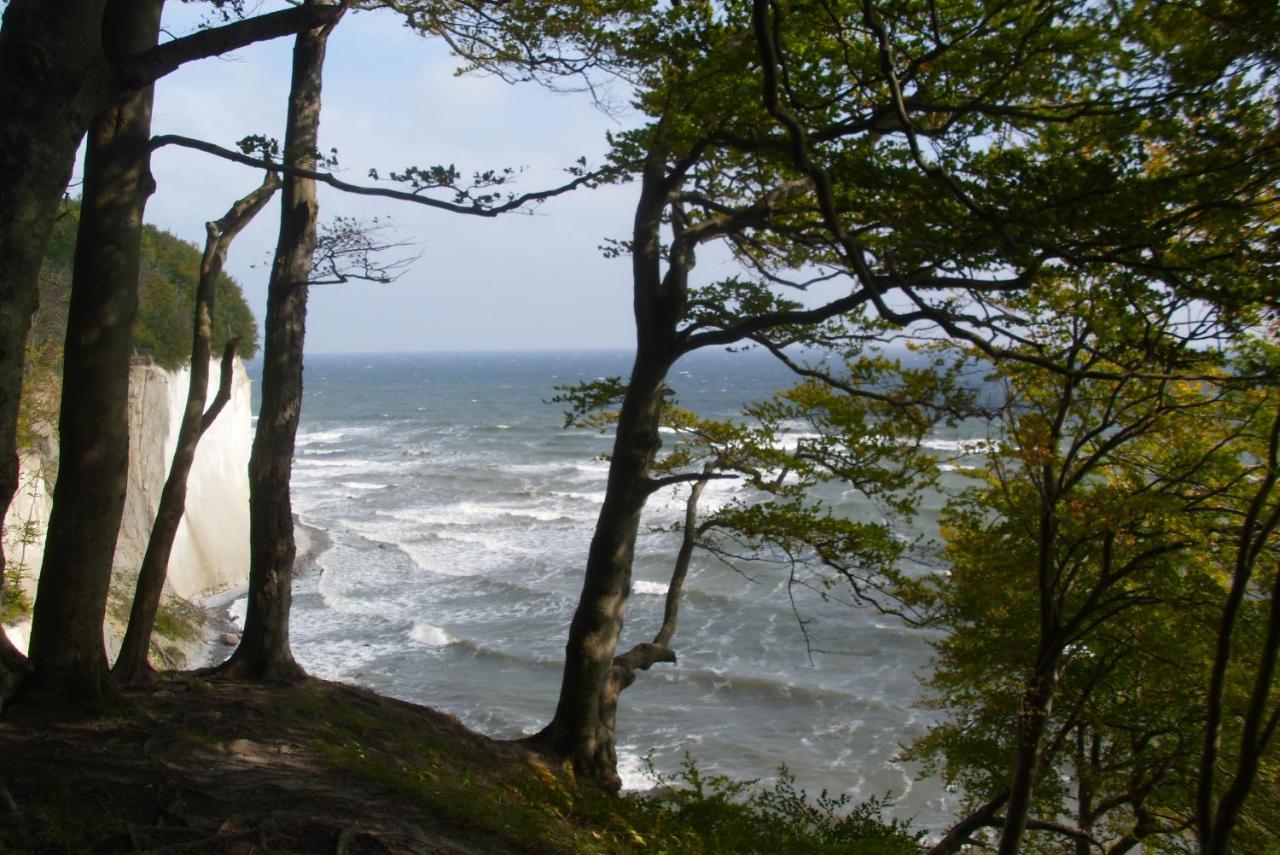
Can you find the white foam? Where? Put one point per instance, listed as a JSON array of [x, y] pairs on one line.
[[306, 438], [431, 636], [362, 485], [237, 610], [642, 586], [633, 771], [963, 446], [336, 598]]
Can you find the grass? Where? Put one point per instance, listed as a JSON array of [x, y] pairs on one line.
[[498, 790], [206, 764]]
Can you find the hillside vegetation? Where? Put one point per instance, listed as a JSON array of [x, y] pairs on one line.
[[162, 329], [170, 270]]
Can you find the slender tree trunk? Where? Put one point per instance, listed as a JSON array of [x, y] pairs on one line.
[[583, 726], [67, 655], [583, 729], [264, 652], [1259, 526], [1033, 714], [52, 81], [1037, 698], [642, 657], [132, 665]]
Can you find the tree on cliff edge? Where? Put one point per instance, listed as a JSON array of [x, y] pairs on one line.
[[131, 665], [264, 652], [923, 165], [62, 67]]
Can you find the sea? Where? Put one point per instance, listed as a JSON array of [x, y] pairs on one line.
[[457, 511]]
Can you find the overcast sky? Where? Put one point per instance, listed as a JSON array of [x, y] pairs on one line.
[[390, 100]]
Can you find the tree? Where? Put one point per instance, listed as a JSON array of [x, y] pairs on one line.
[[824, 182], [869, 435], [1086, 572], [131, 665], [59, 69], [67, 656], [1253, 529], [1158, 198], [264, 652]]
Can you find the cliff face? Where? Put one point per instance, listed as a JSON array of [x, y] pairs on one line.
[[211, 552]]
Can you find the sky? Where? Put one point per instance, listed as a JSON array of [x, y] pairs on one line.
[[391, 99]]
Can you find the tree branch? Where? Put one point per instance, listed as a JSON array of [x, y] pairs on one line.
[[477, 210], [149, 66], [224, 385]]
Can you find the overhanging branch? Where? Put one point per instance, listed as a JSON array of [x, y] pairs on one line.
[[510, 205]]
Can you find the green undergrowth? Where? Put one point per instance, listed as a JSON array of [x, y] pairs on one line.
[[178, 622], [496, 789]]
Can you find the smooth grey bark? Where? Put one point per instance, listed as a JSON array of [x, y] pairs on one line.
[[132, 666], [264, 653]]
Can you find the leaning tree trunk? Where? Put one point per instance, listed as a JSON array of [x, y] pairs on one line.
[[52, 81], [263, 653], [68, 661], [644, 656], [132, 665], [583, 729]]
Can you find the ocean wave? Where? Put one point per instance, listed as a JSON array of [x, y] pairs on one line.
[[431, 636], [641, 586], [725, 679], [325, 465], [632, 769], [348, 599], [963, 446]]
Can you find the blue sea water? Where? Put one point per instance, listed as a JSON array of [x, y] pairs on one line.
[[459, 512]]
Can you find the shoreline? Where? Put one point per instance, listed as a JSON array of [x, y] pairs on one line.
[[220, 625]]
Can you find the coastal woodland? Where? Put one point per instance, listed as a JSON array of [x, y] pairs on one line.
[[1065, 211]]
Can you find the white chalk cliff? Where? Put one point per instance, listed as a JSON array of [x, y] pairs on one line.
[[211, 551]]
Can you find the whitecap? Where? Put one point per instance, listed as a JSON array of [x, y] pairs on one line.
[[237, 610], [963, 446], [362, 485], [430, 636], [642, 586], [633, 771]]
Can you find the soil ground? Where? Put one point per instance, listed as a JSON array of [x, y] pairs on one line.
[[193, 766]]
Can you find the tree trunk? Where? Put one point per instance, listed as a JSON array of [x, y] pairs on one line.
[[52, 81], [1033, 714], [958, 835], [583, 729], [264, 652], [642, 657], [67, 656], [132, 665]]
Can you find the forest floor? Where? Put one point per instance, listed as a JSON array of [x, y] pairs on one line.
[[193, 765]]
